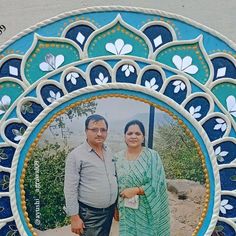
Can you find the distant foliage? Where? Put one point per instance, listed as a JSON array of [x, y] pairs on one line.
[[46, 193], [178, 152]]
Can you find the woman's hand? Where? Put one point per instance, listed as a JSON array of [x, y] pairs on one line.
[[129, 192]]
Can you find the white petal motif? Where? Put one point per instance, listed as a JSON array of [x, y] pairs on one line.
[[147, 84], [5, 101], [177, 82], [51, 100], [182, 86], [59, 60], [105, 80], [18, 138], [217, 127], [58, 95], [197, 115], [224, 153], [45, 67], [127, 73], [101, 76], [131, 68], [220, 121], [228, 207], [223, 127], [124, 67], [110, 47], [191, 70], [177, 62], [98, 81], [126, 49], [191, 110], [73, 81], [218, 150], [222, 209], [52, 94], [119, 44], [119, 47], [153, 81], [155, 87], [198, 108], [186, 62], [224, 202], [177, 88], [231, 105]]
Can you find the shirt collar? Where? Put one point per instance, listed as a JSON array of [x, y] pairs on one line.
[[90, 149]]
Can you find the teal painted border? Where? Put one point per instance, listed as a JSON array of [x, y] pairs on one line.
[[149, 98]]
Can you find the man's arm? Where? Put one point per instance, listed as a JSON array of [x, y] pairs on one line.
[[71, 183]]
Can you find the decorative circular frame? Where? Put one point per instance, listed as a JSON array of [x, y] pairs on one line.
[[164, 59]]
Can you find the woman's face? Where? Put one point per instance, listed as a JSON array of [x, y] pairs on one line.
[[134, 136]]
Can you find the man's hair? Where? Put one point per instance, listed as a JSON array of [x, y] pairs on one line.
[[94, 117]]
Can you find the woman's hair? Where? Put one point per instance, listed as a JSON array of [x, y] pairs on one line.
[[139, 124]]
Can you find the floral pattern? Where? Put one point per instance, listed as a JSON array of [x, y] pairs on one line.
[[224, 206], [4, 104], [179, 85], [194, 111], [18, 133], [53, 96], [51, 62], [185, 64], [119, 47], [73, 76], [151, 84], [128, 69], [231, 105], [221, 125], [220, 154], [101, 79]]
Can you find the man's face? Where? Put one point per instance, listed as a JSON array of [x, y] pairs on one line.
[[96, 132]]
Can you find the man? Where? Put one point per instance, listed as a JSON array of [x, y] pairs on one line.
[[90, 185]]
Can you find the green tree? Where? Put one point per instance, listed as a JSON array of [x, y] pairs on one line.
[[178, 152], [44, 187]]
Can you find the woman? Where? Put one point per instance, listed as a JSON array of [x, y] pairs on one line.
[[143, 201]]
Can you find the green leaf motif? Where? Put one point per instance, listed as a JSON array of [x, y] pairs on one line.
[[3, 156], [5, 182], [27, 108], [233, 178]]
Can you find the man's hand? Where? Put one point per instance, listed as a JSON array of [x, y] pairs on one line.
[[129, 192], [116, 214], [77, 225]]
